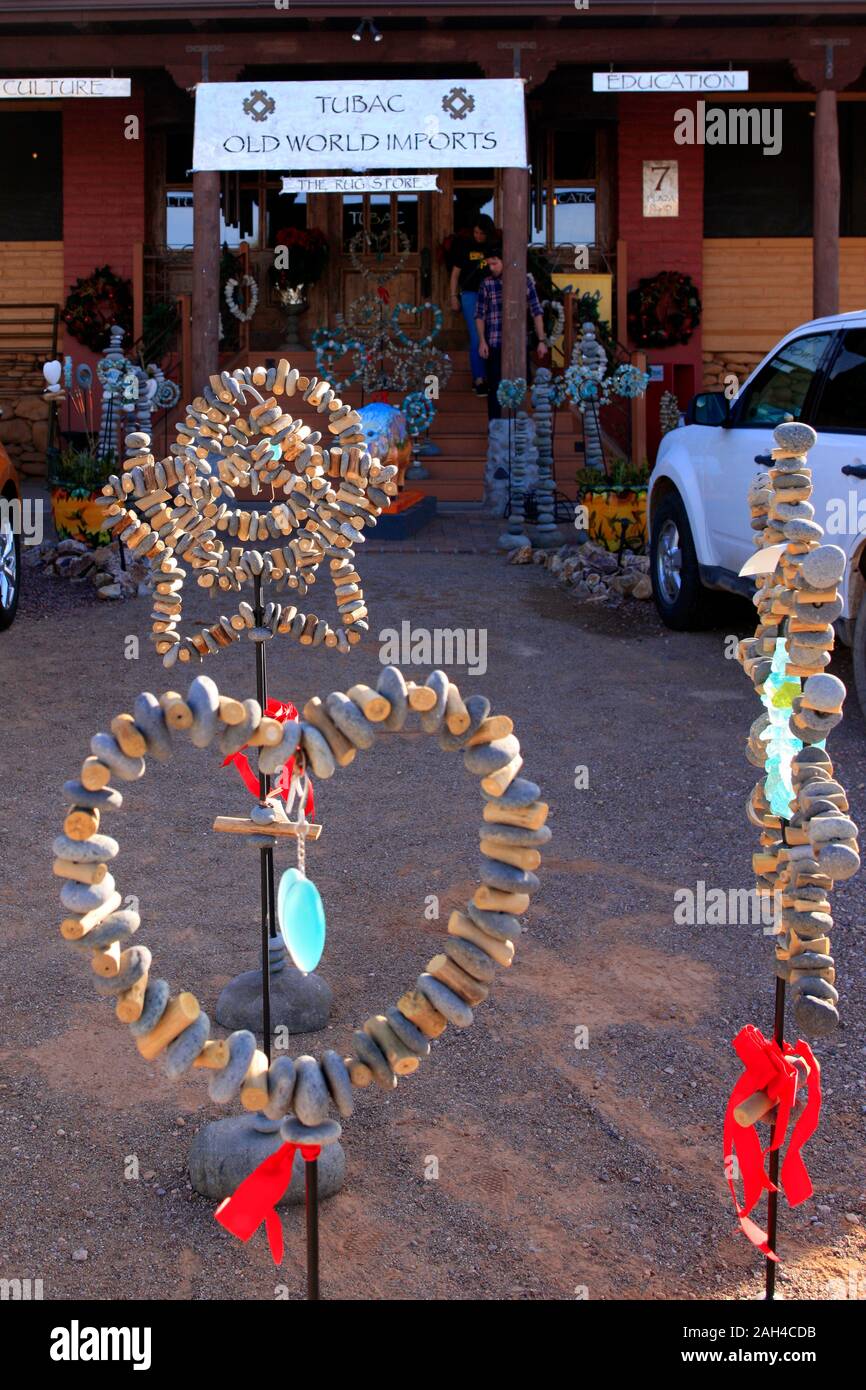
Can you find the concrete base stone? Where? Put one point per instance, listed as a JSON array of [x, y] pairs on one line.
[[226, 1151], [301, 1003]]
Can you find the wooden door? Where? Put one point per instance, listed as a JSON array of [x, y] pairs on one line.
[[386, 234]]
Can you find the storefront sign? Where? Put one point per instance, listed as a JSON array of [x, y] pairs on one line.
[[676, 82], [364, 183], [661, 188], [445, 124], [14, 88]]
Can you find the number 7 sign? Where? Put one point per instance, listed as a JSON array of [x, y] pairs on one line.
[[661, 188]]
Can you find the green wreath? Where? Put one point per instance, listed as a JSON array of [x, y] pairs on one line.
[[663, 310], [95, 303]]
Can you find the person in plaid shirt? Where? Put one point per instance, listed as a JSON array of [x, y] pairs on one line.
[[489, 324]]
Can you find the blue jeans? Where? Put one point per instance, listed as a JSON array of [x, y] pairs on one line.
[[468, 302]]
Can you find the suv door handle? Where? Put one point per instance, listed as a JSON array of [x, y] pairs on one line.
[[854, 470]]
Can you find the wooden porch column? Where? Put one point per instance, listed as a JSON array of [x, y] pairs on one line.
[[825, 206], [515, 202], [205, 276]]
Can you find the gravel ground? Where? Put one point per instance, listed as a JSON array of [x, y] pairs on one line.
[[560, 1169]]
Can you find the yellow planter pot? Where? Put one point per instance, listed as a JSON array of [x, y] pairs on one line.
[[617, 516], [77, 517]]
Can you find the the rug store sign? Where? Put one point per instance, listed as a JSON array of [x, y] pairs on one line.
[[440, 123]]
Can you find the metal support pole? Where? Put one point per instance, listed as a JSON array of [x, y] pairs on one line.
[[773, 1197], [311, 1170], [269, 926]]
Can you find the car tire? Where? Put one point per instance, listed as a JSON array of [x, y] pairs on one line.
[[858, 653], [679, 595], [10, 573]]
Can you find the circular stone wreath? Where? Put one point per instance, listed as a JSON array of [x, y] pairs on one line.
[[173, 1028]]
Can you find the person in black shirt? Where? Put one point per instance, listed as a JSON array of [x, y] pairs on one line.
[[469, 269]]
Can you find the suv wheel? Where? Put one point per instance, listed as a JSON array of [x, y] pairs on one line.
[[10, 572], [676, 580]]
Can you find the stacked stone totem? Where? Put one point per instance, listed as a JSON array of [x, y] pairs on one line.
[[808, 842], [590, 353], [514, 536], [545, 532]]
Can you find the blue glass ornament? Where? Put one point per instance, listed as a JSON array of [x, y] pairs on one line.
[[301, 916], [780, 690]]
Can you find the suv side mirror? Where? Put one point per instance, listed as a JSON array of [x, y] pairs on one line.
[[708, 408]]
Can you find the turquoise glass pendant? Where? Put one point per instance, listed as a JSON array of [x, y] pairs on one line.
[[301, 916]]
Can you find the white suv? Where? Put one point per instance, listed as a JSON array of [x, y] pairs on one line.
[[700, 533]]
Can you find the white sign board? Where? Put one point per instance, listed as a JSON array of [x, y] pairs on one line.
[[14, 88], [363, 183], [443, 123], [677, 82]]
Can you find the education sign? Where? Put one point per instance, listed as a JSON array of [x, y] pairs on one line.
[[670, 82], [441, 123]]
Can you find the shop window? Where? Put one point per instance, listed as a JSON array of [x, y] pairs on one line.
[[353, 216], [32, 176], [750, 194], [382, 216], [179, 219], [780, 388], [841, 406], [283, 210], [852, 141], [568, 217], [574, 155], [565, 188]]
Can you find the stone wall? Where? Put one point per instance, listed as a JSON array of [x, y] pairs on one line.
[[24, 428], [31, 272], [730, 362]]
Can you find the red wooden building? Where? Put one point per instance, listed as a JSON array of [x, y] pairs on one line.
[[768, 237]]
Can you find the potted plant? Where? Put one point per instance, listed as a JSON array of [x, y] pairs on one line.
[[615, 504], [307, 256], [75, 479]]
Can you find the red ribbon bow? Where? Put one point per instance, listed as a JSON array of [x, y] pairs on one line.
[[274, 709], [775, 1070], [257, 1197]]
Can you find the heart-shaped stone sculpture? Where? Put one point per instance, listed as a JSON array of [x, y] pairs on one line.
[[175, 509]]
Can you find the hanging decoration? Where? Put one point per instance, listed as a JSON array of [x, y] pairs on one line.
[[248, 284], [330, 495], [415, 311], [172, 1029], [385, 357], [510, 393], [300, 911], [629, 381], [94, 304], [808, 841], [419, 411], [586, 387], [664, 310]]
